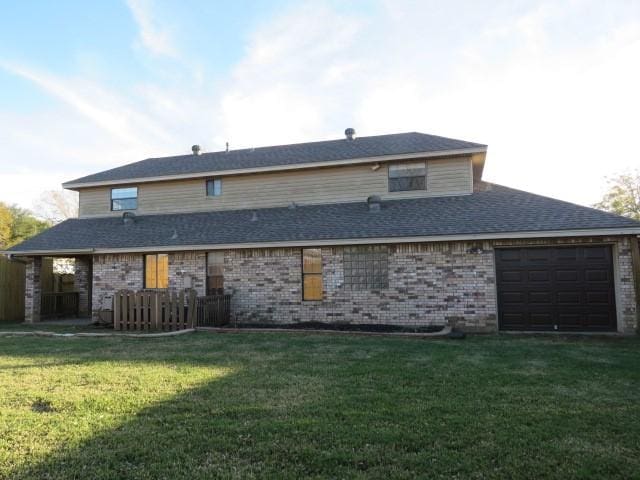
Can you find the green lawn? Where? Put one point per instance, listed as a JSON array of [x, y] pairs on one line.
[[288, 406]]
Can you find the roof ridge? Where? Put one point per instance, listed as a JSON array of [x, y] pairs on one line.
[[273, 156]]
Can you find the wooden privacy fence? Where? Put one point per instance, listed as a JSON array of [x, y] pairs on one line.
[[154, 310], [12, 282], [214, 310]]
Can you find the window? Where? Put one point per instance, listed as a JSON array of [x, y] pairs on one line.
[[214, 187], [311, 274], [407, 176], [366, 267], [156, 271], [215, 273], [124, 198]]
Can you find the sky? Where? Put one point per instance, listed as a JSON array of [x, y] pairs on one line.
[[551, 87]]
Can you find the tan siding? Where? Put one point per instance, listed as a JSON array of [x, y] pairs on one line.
[[322, 185], [446, 177], [95, 201]]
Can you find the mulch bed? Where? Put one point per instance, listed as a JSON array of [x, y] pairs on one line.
[[340, 327]]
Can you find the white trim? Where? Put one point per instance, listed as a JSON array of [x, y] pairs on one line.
[[277, 168], [347, 241]]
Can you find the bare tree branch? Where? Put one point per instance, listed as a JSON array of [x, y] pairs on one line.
[[57, 205]]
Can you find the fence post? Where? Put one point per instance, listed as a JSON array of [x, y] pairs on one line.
[[192, 309], [153, 321], [117, 303]]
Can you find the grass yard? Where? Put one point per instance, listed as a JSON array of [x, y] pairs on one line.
[[289, 406]]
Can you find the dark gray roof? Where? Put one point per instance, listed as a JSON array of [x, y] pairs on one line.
[[497, 210], [299, 153]]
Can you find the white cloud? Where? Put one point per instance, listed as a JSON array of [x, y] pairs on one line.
[[154, 37], [555, 106], [551, 87], [106, 110]]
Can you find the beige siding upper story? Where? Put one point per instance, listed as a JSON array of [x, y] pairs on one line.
[[445, 176]]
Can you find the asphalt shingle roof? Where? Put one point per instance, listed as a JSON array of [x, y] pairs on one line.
[[497, 210], [283, 155]]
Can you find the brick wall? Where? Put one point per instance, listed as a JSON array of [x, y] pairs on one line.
[[81, 283], [126, 272], [33, 290], [188, 270], [429, 284], [112, 273]]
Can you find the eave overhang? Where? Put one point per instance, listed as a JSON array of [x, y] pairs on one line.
[[603, 232]]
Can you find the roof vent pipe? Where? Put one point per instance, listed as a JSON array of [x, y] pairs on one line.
[[374, 203], [350, 133], [128, 218], [195, 149]]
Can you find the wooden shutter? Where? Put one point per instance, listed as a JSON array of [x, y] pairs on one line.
[[151, 271], [163, 271], [311, 274]]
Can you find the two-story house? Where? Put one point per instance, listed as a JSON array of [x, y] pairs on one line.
[[394, 229]]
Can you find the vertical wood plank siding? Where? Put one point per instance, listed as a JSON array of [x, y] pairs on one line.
[[446, 176], [12, 285]]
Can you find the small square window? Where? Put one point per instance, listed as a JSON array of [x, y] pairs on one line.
[[124, 198], [366, 267], [214, 187]]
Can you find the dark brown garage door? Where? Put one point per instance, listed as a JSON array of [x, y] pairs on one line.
[[556, 288]]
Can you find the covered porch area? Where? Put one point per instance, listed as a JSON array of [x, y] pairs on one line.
[[57, 288]]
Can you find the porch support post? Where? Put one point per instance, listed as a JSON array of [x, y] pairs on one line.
[[33, 290], [82, 284]]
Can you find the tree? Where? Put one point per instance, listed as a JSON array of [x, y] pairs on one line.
[[623, 197], [17, 224], [56, 206], [6, 221]]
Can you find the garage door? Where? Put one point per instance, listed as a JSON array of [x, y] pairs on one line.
[[556, 288]]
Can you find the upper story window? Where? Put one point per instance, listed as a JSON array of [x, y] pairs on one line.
[[214, 187], [124, 198], [407, 176]]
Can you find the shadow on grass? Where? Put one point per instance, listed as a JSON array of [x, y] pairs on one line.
[[188, 436], [341, 408]]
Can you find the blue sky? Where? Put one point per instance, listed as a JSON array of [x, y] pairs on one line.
[[551, 87]]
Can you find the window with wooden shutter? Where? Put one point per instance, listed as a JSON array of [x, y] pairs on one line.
[[311, 274], [156, 271]]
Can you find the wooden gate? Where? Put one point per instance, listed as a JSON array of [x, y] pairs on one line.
[[214, 310], [154, 310]]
